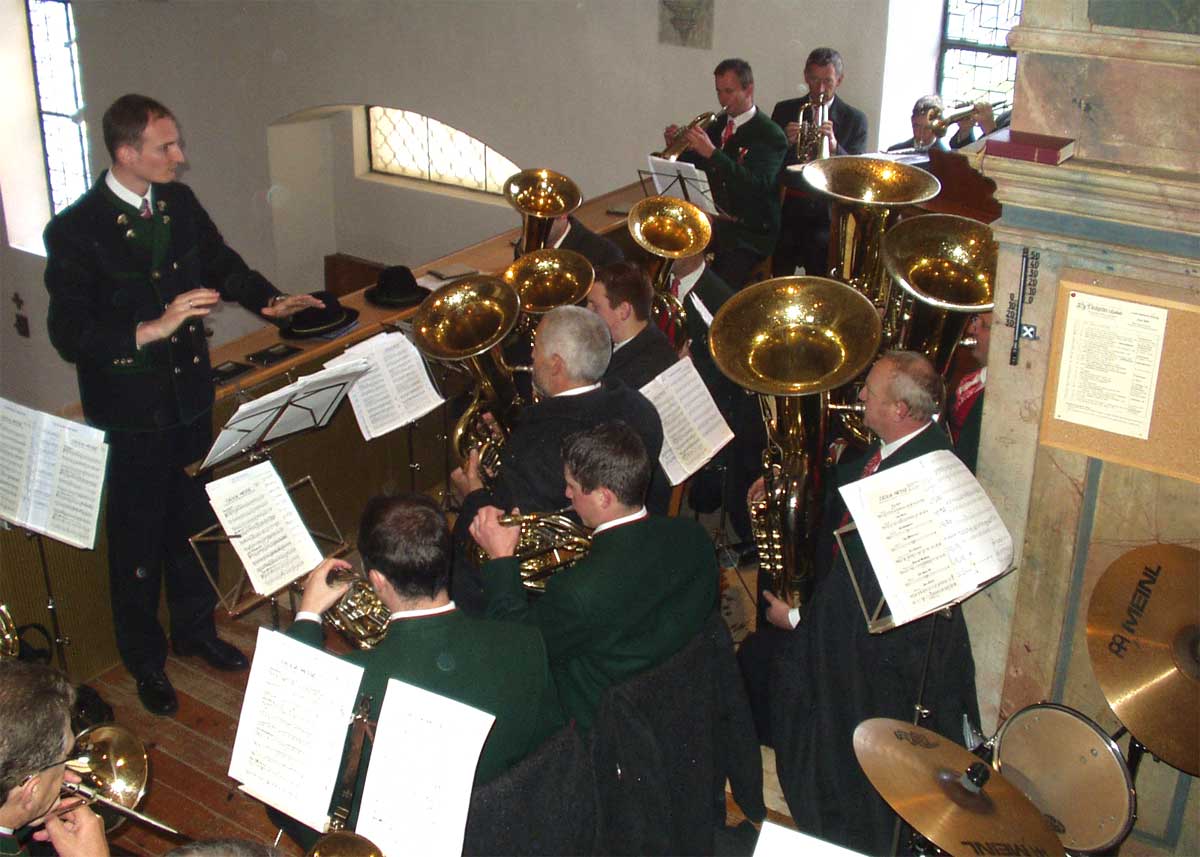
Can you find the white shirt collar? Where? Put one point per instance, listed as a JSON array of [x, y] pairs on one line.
[[578, 391], [616, 522], [688, 281], [889, 448], [742, 118], [562, 237], [426, 611], [125, 194]]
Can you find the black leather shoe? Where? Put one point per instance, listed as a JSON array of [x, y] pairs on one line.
[[216, 653], [155, 691]]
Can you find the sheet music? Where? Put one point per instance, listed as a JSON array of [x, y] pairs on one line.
[[693, 429], [309, 402], [436, 743], [264, 527], [777, 841], [930, 531], [51, 474], [297, 708], [670, 175], [395, 391]]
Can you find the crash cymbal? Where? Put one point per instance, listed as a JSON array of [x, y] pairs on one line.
[[1143, 634], [948, 794]]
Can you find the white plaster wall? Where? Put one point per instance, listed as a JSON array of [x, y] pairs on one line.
[[910, 65]]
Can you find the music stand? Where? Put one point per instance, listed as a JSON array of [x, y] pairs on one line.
[[691, 182]]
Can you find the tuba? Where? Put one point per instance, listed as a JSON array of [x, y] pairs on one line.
[[866, 195], [678, 144], [945, 267], [549, 543], [463, 323], [545, 279], [791, 340], [540, 196], [670, 229]]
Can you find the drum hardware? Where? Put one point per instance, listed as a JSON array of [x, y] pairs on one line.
[[947, 794], [550, 542], [1143, 637], [679, 143], [545, 279], [669, 229], [540, 195], [791, 340]]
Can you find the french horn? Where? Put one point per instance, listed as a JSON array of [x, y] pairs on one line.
[[549, 542], [670, 229], [540, 196], [678, 144], [792, 340], [463, 324], [358, 615]]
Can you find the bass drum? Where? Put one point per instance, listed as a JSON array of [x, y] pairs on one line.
[[1072, 771]]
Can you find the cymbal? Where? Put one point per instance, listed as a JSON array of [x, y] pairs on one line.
[[924, 778], [1143, 635]]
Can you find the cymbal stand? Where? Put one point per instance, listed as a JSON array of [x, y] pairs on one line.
[[60, 641]]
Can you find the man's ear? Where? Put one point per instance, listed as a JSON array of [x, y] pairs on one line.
[[125, 154], [624, 310], [26, 794], [377, 580]]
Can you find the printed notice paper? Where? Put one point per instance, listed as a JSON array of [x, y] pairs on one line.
[[777, 841], [1110, 357], [51, 474], [423, 761], [297, 708], [263, 526], [395, 391], [693, 429], [930, 531]]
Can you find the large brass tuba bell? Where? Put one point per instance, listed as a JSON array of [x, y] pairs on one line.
[[792, 340], [343, 843], [945, 267], [670, 229], [545, 279], [464, 323], [540, 196]]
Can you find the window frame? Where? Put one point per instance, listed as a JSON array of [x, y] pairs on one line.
[[947, 44]]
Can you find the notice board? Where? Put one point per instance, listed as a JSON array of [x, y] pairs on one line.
[[1124, 363]]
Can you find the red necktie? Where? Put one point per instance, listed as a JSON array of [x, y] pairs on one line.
[[144, 211], [727, 133], [871, 466], [965, 397], [665, 324]]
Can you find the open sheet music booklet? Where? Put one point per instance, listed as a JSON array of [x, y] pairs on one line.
[[292, 730], [262, 524], [671, 176], [307, 403], [395, 391], [51, 474], [931, 533], [693, 429]]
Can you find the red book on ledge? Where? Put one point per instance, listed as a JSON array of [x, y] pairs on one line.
[[1024, 146]]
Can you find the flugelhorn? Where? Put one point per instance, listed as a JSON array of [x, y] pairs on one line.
[[811, 144], [540, 196], [678, 144], [464, 323], [670, 229], [792, 340], [941, 120]]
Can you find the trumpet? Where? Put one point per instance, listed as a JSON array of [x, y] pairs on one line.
[[678, 144], [940, 121], [811, 144]]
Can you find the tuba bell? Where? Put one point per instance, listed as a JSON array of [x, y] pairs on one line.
[[678, 144], [540, 196], [945, 267], [791, 340], [463, 324], [670, 229], [545, 279]]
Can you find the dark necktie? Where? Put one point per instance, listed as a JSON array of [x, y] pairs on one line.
[[144, 211]]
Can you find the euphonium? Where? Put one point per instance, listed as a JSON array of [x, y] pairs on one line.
[[811, 144], [540, 196], [945, 267], [791, 340], [545, 279], [549, 542], [670, 229], [866, 195], [463, 323], [678, 144]]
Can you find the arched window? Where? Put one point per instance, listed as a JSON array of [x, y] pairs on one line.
[[403, 143]]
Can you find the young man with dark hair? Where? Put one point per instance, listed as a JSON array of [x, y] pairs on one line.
[[496, 667], [35, 739], [741, 155], [804, 236], [622, 296], [133, 267], [641, 593]]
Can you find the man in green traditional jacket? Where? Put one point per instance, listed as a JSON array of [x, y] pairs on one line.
[[641, 593], [497, 667]]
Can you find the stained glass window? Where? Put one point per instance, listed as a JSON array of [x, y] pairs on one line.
[[60, 99], [404, 143], [975, 63]]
